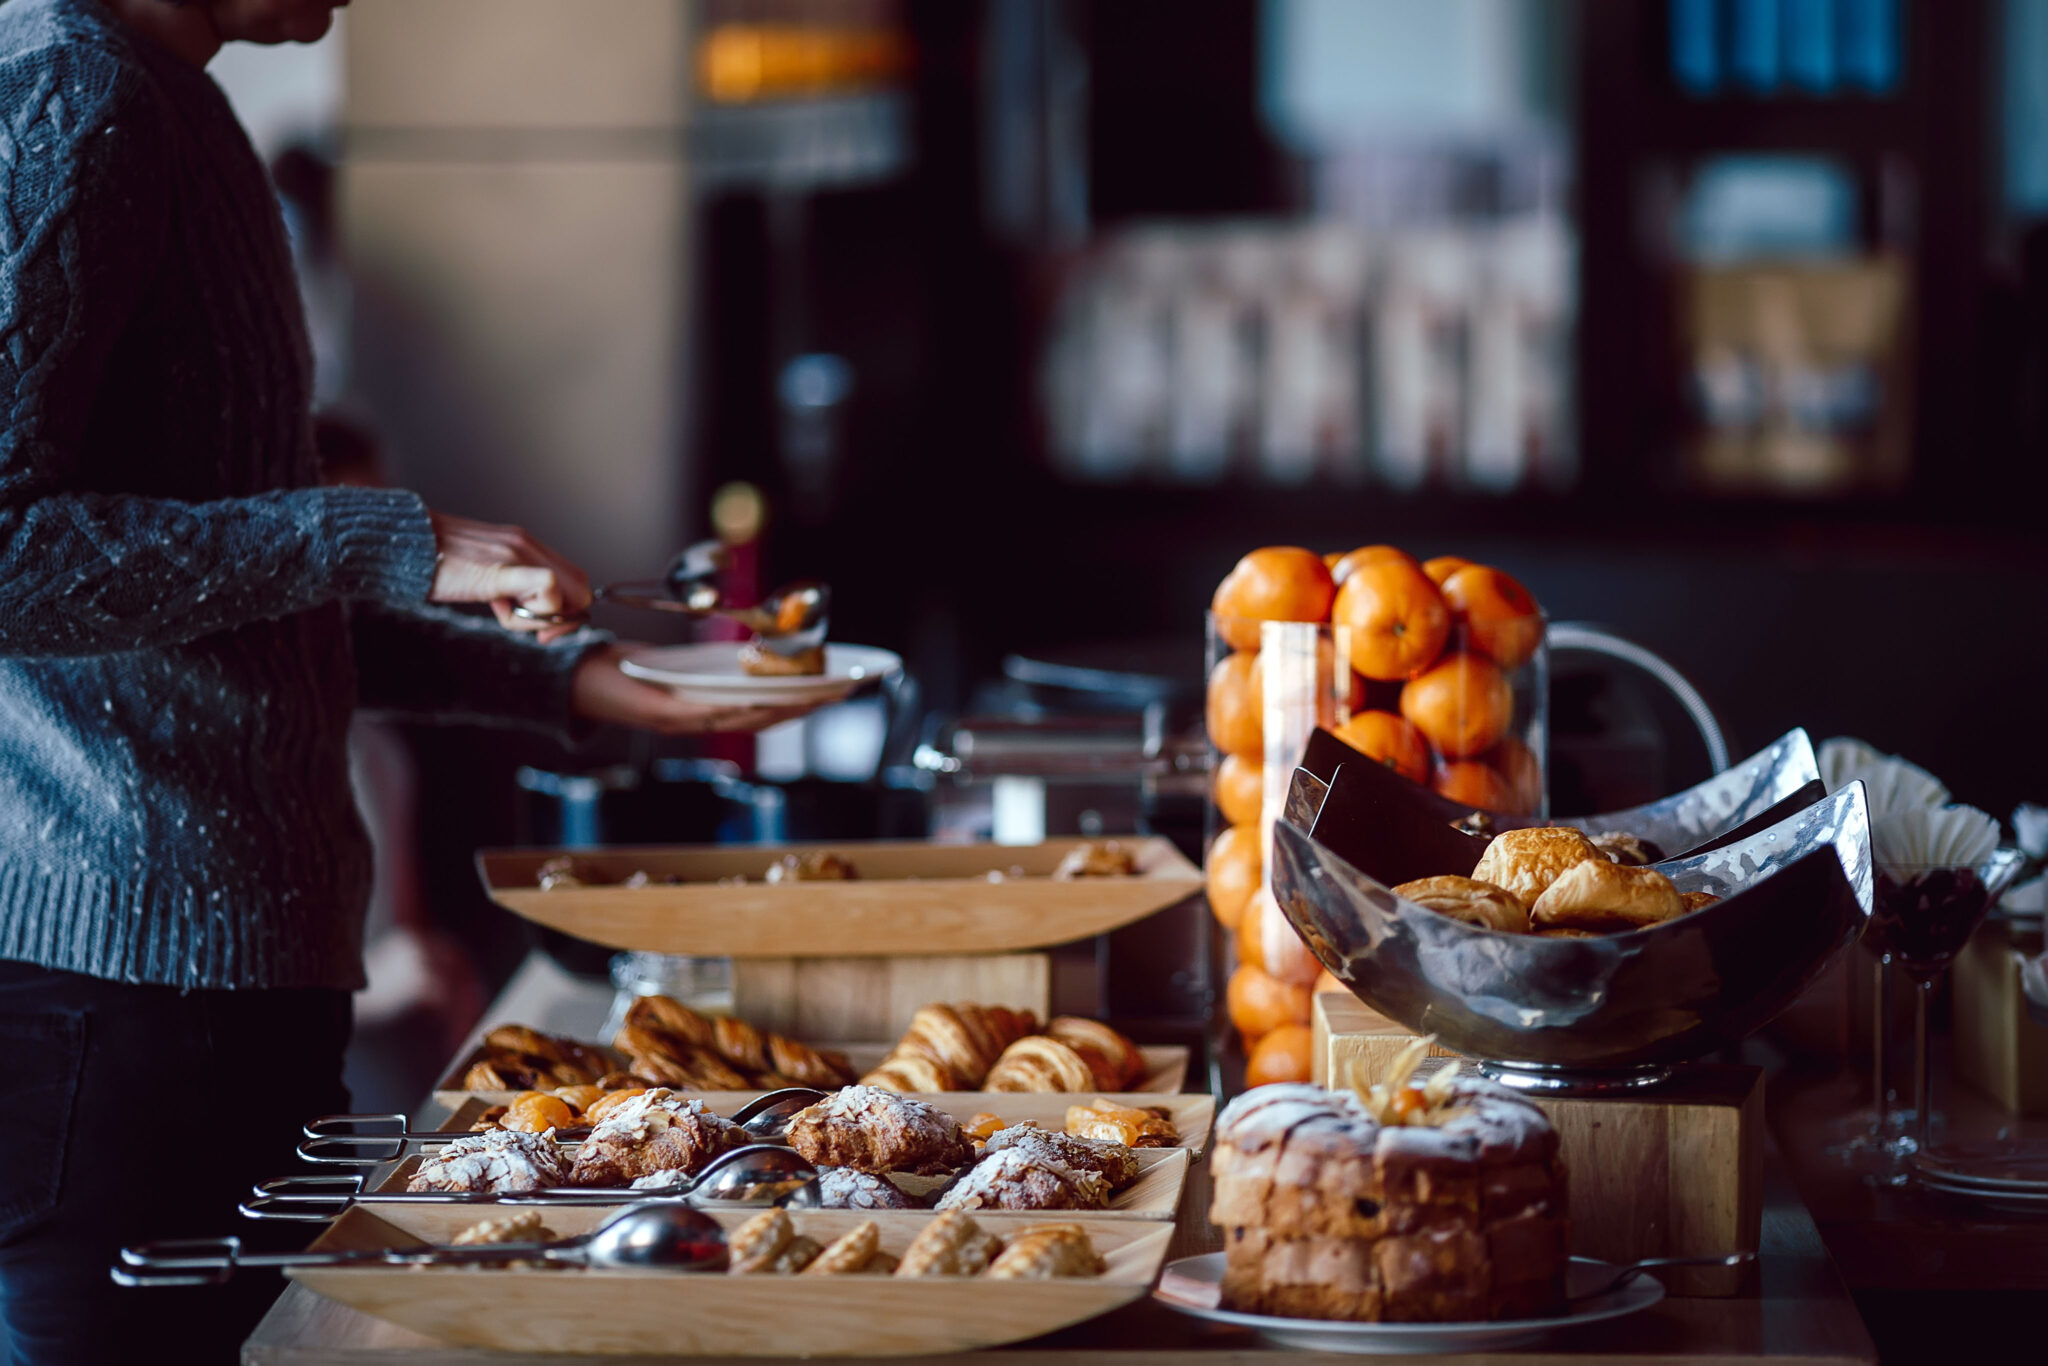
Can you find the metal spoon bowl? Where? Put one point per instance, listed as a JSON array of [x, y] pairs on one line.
[[767, 1116], [663, 1234]]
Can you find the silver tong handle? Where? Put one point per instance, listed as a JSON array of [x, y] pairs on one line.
[[339, 1140], [209, 1261], [302, 1199]]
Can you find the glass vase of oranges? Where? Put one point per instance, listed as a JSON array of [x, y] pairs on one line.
[[1437, 670]]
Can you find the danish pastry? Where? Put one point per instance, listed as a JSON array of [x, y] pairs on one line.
[[656, 1131], [1525, 862], [668, 1016], [760, 661], [1016, 1178], [1602, 896], [1097, 858], [536, 1112], [950, 1245], [498, 1161], [1044, 1252], [1042, 1063], [1470, 900], [872, 1130], [1149, 1127], [1113, 1162]]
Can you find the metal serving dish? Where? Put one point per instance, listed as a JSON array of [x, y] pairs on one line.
[[1743, 798], [1581, 1014]]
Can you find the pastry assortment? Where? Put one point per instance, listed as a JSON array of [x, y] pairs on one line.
[[517, 1058], [1414, 664], [672, 1045], [1438, 1202], [771, 1244], [1555, 882]]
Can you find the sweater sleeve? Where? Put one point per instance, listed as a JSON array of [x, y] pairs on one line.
[[435, 664], [85, 208]]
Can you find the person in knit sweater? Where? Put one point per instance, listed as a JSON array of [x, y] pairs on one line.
[[187, 620]]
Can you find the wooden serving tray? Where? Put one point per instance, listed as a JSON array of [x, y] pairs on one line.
[[910, 898], [1193, 1115], [1166, 1071], [669, 1313]]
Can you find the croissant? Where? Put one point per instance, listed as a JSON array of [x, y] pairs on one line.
[[965, 1039], [1040, 1063], [912, 1072], [1122, 1065]]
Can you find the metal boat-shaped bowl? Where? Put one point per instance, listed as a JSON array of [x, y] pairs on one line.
[[1747, 796], [1794, 896]]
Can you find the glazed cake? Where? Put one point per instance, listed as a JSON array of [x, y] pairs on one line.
[[1410, 1204]]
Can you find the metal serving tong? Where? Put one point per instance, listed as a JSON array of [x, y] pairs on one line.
[[758, 1174], [788, 621], [654, 1234], [345, 1140]]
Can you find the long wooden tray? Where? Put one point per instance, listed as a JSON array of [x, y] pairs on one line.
[[1166, 1071], [1193, 1115], [910, 898], [666, 1313]]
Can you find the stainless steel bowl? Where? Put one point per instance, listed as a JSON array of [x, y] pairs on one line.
[[1589, 1014]]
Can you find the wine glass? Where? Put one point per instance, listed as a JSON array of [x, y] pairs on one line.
[[1922, 917]]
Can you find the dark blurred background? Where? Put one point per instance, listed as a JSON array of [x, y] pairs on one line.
[[1723, 323]]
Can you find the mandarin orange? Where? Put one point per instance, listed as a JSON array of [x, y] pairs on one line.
[[1462, 705], [1391, 618], [1497, 613], [1286, 1054], [1236, 724], [1342, 565], [1386, 737], [1279, 949], [1442, 567], [1517, 763], [1240, 789], [1260, 1003], [1275, 583], [1472, 783], [1233, 872]]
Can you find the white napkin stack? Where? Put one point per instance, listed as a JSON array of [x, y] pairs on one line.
[[1913, 826]]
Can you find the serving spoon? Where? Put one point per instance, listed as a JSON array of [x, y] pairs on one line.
[[788, 621], [658, 1233], [759, 1174]]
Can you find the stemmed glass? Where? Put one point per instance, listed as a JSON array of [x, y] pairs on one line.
[[1922, 918]]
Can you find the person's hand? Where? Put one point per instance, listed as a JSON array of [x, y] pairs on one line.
[[600, 692], [505, 567]]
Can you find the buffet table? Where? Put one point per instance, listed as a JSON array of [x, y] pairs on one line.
[[1796, 1309]]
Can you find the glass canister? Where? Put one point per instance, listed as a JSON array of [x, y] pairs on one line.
[[1437, 670]]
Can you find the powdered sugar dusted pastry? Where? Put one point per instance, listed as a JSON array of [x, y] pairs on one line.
[[1525, 862], [845, 1188], [950, 1245], [1044, 1252], [872, 1130], [656, 1131], [1470, 900], [1598, 895], [1111, 1161], [1016, 1179], [498, 1161]]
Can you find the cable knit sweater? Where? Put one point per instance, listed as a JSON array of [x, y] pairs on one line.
[[187, 619]]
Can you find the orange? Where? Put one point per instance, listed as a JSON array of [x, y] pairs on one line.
[[1471, 783], [1497, 613], [1393, 619], [1240, 789], [1234, 872], [1276, 583], [1235, 706], [1517, 764], [1442, 567], [1283, 1055], [1265, 938], [1462, 705], [1386, 737], [1342, 565], [1261, 1003]]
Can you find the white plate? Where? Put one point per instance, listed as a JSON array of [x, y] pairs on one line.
[[709, 672], [1201, 1277]]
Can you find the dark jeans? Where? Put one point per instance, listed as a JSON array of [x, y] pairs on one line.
[[130, 1113]]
